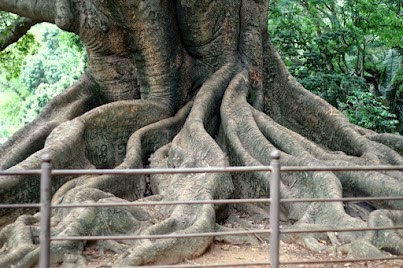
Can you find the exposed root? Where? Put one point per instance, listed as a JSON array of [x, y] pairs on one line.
[[218, 128], [19, 236], [252, 135], [192, 146], [76, 140], [388, 240], [139, 147], [393, 141], [181, 219], [242, 133], [237, 239]]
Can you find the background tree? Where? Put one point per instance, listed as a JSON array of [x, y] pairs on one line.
[[184, 84], [45, 62], [394, 80], [344, 53]]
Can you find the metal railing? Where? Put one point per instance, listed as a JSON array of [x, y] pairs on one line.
[[46, 172]]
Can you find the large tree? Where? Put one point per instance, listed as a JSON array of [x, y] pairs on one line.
[[185, 84]]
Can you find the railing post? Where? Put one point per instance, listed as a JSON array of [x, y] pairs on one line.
[[44, 237], [275, 209]]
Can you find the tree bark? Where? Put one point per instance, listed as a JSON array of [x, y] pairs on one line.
[[185, 84]]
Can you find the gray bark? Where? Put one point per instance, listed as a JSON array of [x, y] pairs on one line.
[[185, 84]]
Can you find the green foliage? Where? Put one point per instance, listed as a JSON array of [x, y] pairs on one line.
[[333, 87], [350, 94], [34, 103], [8, 119], [71, 40], [56, 64], [395, 97], [59, 61], [364, 109], [397, 83], [12, 59], [330, 46], [381, 19]]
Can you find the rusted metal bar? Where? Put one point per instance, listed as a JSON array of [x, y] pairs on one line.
[[44, 236], [275, 209]]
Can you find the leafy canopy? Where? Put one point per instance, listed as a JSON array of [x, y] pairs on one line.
[[46, 61], [340, 50]]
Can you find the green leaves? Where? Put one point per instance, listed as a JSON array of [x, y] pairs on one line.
[[381, 19], [364, 109], [12, 59], [59, 61], [333, 87], [332, 46]]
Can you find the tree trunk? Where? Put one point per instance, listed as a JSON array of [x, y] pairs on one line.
[[184, 84], [362, 72]]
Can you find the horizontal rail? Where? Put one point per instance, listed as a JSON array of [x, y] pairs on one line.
[[20, 205], [339, 261], [166, 236], [20, 172], [331, 168], [208, 234], [245, 264], [224, 201], [167, 203], [202, 202], [59, 172], [325, 230], [342, 199], [153, 171], [275, 169], [235, 264]]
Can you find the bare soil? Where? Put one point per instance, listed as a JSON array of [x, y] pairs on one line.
[[254, 254], [247, 255]]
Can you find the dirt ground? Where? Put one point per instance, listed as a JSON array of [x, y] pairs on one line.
[[255, 254], [246, 255], [224, 254]]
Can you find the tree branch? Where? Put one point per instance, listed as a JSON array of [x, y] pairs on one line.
[[38, 10], [18, 93], [15, 31]]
